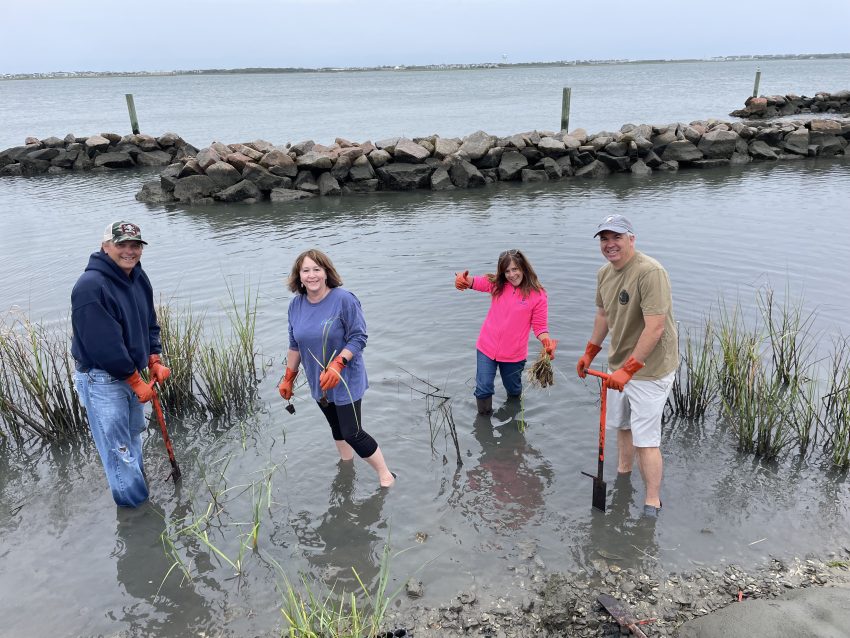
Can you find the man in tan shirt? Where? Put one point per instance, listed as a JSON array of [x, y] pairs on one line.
[[634, 304]]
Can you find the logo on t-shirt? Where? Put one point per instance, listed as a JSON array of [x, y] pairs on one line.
[[623, 298]]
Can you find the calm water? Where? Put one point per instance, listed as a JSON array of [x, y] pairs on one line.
[[66, 548], [376, 105]]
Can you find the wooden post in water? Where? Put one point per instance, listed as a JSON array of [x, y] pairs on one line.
[[565, 109], [756, 85], [131, 107]]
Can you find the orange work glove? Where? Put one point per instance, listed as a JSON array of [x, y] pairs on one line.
[[142, 389], [549, 346], [461, 281], [331, 375], [587, 358], [619, 378], [158, 372], [285, 387]]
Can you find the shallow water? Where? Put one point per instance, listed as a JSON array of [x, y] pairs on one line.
[[516, 498], [66, 548]]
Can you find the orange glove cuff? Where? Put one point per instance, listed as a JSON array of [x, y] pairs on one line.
[[592, 349], [290, 375], [632, 365], [154, 358]]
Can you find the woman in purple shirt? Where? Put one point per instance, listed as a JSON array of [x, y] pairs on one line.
[[327, 334]]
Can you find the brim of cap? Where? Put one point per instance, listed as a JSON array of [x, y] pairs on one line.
[[128, 238], [615, 229]]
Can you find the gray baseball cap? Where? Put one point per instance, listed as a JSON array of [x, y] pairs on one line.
[[616, 224]]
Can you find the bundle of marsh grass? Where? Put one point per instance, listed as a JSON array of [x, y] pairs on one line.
[[541, 375]]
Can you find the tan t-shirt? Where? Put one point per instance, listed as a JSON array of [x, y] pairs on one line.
[[640, 288]]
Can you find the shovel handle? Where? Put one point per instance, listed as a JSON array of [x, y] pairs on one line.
[[602, 399]]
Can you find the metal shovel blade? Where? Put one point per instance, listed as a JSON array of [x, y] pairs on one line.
[[621, 614], [600, 490]]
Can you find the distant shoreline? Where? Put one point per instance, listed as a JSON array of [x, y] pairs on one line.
[[55, 75]]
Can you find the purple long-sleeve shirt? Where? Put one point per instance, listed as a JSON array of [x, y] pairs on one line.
[[320, 331]]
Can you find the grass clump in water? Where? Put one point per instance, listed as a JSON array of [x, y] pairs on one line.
[[37, 396]]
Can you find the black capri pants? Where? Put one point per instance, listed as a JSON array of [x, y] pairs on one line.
[[345, 423]]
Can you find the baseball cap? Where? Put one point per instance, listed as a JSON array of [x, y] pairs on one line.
[[122, 231], [616, 224]]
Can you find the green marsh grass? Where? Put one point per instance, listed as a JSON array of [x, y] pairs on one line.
[[695, 385], [789, 333], [836, 405], [37, 396]]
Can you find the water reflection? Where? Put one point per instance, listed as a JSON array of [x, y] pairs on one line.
[[152, 608], [505, 490], [617, 536], [344, 536]]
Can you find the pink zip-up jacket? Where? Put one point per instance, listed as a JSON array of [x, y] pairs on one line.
[[504, 334]]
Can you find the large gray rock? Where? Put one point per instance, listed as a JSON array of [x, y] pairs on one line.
[[492, 159], [30, 167], [305, 181], [167, 140], [279, 163], [388, 144], [66, 159], [314, 161], [44, 154], [363, 186], [465, 175], [594, 170], [443, 147], [475, 146], [96, 144], [440, 180], [190, 167], [797, 141], [640, 169], [302, 147], [328, 185], [242, 190], [551, 147], [223, 175], [341, 167], [361, 168], [264, 179], [289, 195], [11, 170], [511, 164], [409, 151], [194, 187], [114, 160], [531, 175], [153, 193], [615, 163], [761, 150], [169, 176], [377, 158], [815, 611], [552, 168], [152, 158], [207, 157], [247, 151], [404, 177], [681, 151], [718, 143]]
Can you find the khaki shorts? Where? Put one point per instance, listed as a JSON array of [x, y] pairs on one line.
[[639, 408]]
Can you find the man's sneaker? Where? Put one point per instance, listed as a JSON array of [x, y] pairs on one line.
[[650, 511]]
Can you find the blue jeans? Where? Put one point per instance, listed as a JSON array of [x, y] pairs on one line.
[[116, 420], [485, 376]]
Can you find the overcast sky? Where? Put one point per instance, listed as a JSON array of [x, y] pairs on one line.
[[116, 35]]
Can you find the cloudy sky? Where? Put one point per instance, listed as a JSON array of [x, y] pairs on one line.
[[116, 35]]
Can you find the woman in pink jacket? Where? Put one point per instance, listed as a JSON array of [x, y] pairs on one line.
[[518, 304]]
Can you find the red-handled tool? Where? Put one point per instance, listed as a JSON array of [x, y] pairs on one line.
[[157, 408], [599, 487]]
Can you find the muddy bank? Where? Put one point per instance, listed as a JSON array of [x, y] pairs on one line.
[[564, 604]]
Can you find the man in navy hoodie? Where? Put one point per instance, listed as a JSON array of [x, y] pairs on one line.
[[116, 334]]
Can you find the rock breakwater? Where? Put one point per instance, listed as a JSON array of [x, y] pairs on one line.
[[260, 170], [780, 105], [106, 151]]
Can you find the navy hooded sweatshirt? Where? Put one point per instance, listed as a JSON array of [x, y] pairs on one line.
[[113, 318]]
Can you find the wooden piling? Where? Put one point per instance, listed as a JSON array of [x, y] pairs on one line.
[[565, 109], [131, 107], [756, 85]]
